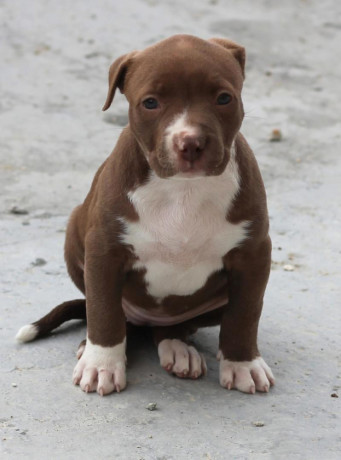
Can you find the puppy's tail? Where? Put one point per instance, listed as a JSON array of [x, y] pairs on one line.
[[73, 309]]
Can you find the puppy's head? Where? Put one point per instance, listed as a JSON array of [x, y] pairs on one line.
[[185, 105]]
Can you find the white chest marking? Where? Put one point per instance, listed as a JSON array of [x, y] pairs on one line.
[[182, 233]]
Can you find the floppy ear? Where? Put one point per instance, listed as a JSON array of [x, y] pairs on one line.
[[117, 72], [237, 50]]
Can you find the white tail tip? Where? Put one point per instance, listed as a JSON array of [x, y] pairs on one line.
[[27, 333]]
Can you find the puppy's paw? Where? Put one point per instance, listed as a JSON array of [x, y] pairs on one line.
[[101, 369], [181, 359], [81, 349], [246, 376]]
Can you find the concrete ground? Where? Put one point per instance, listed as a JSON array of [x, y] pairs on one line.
[[54, 62]]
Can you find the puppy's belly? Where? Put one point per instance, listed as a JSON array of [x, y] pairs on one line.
[[142, 317]]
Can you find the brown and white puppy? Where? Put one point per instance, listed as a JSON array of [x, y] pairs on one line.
[[174, 231]]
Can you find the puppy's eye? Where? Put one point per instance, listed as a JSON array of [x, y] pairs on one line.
[[150, 103], [224, 98]]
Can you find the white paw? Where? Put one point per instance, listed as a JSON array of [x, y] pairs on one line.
[[245, 376], [181, 359], [101, 369]]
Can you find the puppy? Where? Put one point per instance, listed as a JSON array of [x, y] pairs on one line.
[[174, 231]]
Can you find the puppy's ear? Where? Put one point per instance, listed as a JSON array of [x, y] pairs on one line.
[[237, 50], [117, 72]]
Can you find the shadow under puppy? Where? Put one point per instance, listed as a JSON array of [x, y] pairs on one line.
[[174, 231]]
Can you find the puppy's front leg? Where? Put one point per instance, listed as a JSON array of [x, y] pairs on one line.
[[241, 366], [102, 364]]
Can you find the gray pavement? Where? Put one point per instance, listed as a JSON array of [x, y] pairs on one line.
[[54, 62]]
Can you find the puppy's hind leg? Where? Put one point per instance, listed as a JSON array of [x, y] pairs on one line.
[[177, 355]]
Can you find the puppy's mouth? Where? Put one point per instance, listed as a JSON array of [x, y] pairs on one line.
[[166, 166], [190, 168], [196, 168]]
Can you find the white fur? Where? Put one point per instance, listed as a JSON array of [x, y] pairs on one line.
[[179, 125], [182, 233], [245, 376], [99, 356], [101, 368], [27, 333]]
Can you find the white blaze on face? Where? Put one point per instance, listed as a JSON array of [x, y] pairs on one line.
[[179, 126]]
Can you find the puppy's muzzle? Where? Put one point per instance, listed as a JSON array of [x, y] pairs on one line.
[[189, 147]]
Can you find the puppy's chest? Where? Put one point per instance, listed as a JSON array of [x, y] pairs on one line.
[[182, 234], [176, 234]]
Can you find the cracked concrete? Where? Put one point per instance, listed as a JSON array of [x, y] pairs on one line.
[[55, 58]]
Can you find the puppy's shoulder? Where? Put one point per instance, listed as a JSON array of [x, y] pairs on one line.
[[250, 203]]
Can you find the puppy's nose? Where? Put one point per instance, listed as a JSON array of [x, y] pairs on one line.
[[189, 147]]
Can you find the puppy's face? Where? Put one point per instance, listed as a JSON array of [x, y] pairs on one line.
[[185, 105]]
